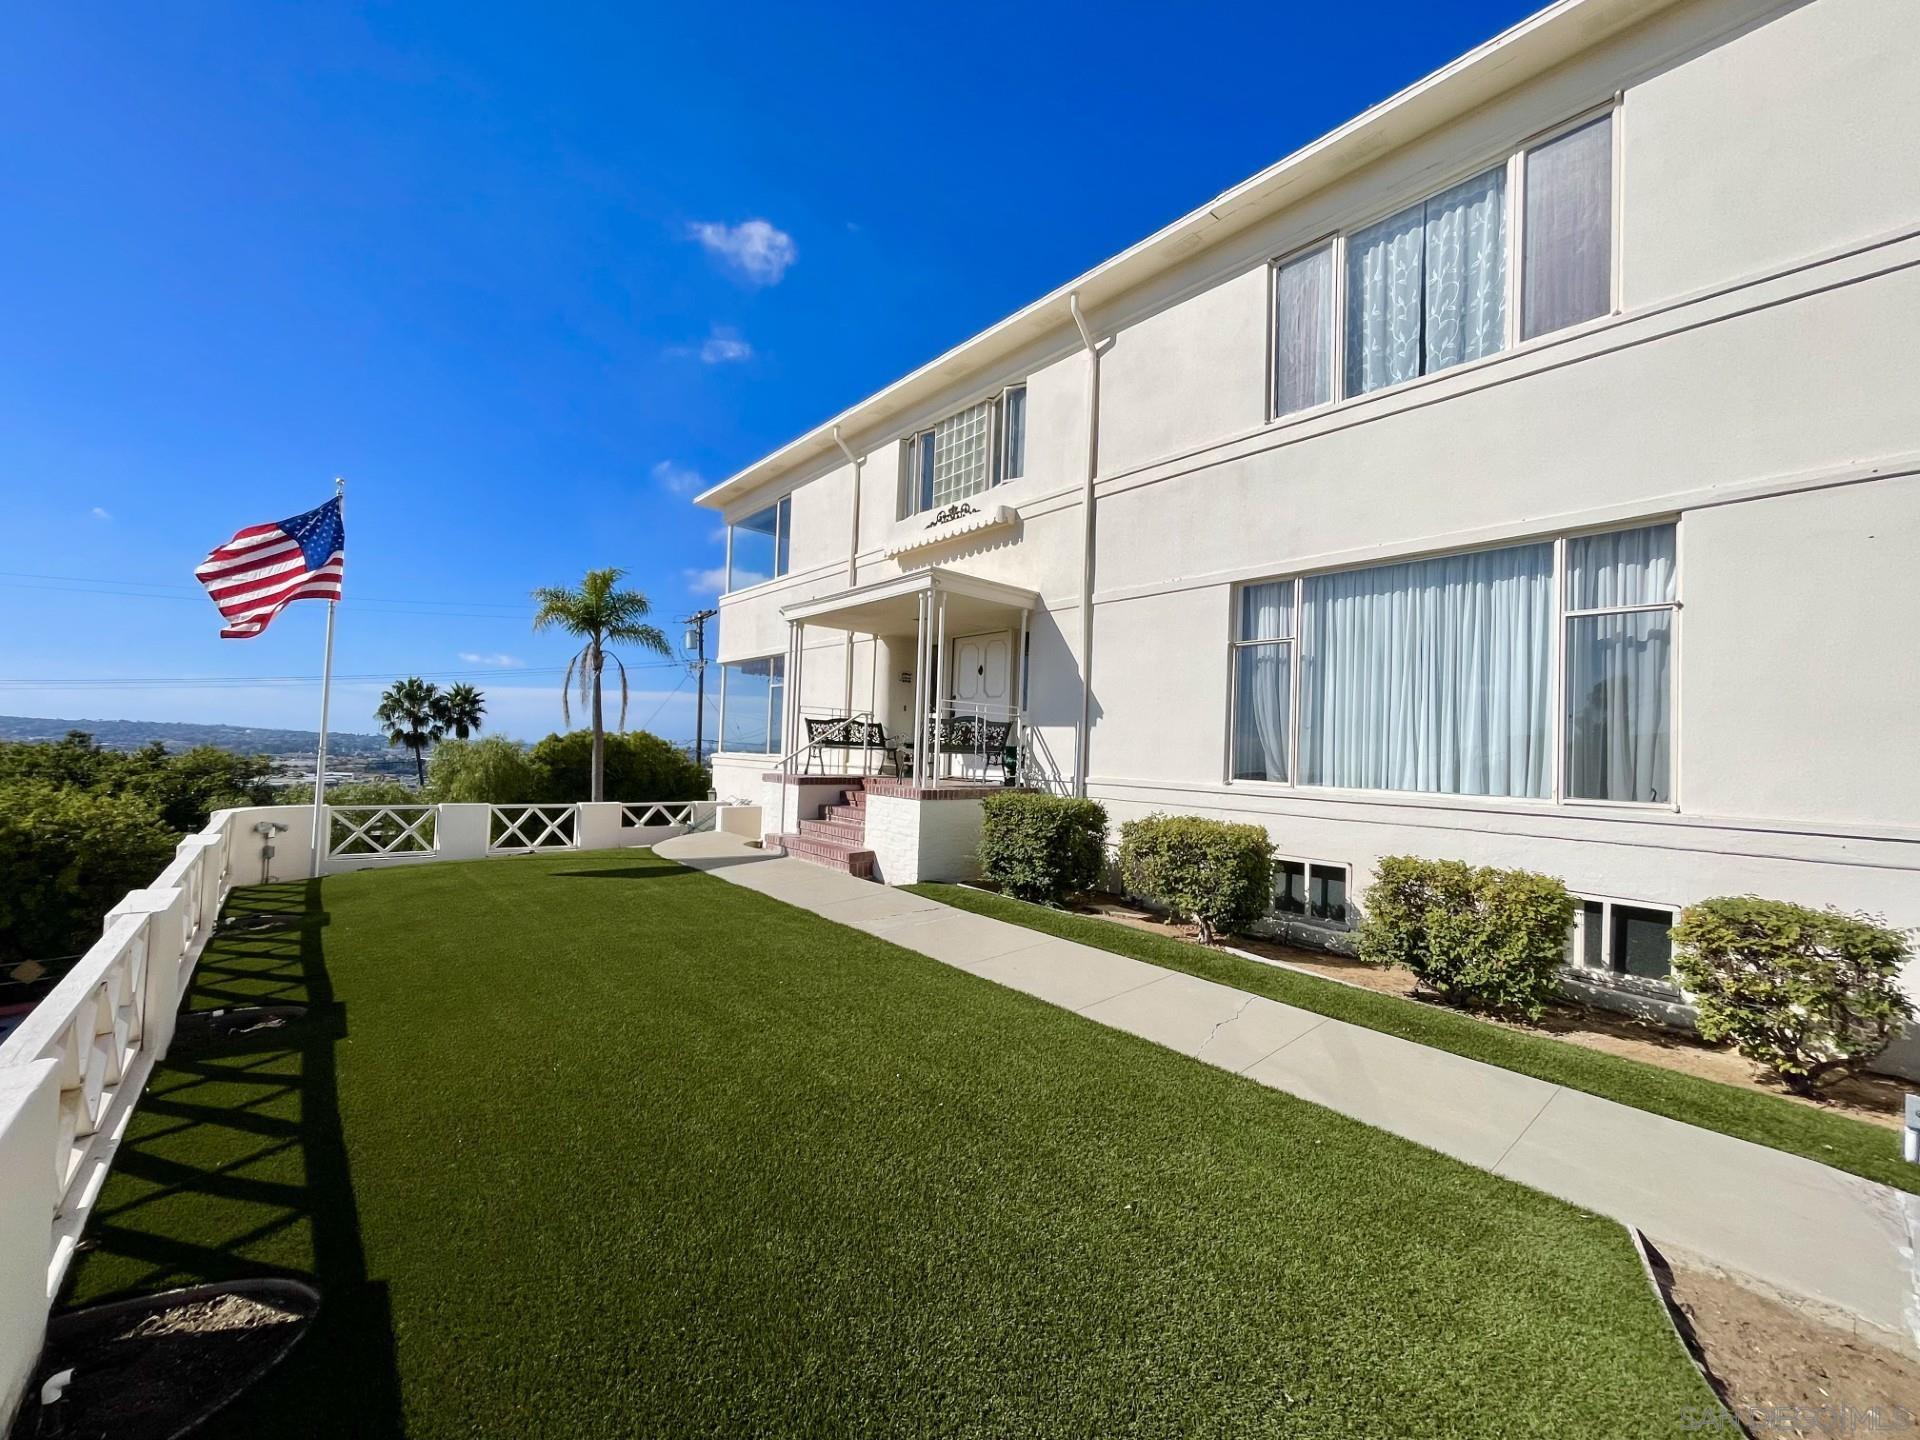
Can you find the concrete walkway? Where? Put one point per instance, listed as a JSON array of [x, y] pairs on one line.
[[1811, 1231]]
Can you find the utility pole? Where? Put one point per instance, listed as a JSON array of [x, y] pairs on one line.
[[696, 641]]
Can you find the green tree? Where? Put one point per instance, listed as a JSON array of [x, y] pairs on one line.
[[187, 787], [352, 792], [461, 710], [493, 771], [598, 612], [409, 713], [639, 766], [68, 854]]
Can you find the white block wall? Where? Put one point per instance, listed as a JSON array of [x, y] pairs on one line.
[[915, 840]]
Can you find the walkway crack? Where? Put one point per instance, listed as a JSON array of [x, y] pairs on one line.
[[1495, 1167], [1214, 1033]]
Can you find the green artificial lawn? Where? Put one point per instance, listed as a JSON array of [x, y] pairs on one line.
[[1837, 1140], [593, 1145]]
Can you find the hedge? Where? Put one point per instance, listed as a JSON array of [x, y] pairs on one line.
[[1042, 847], [1213, 872]]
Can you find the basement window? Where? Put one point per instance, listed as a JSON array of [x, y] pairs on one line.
[[1613, 937], [1311, 890]]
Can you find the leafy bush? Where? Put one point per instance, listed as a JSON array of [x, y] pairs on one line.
[[1810, 995], [68, 856], [493, 771], [640, 766], [1041, 847], [354, 792], [1213, 872], [1482, 938]]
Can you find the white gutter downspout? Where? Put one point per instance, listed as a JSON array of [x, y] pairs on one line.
[[853, 567], [1086, 546]]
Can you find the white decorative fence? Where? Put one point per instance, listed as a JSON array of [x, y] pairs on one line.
[[72, 1072]]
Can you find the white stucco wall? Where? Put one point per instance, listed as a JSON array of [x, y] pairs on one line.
[[915, 840]]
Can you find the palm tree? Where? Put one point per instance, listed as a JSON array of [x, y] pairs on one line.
[[410, 714], [460, 711], [597, 612]]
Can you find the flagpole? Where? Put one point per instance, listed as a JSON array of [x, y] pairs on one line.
[[326, 697]]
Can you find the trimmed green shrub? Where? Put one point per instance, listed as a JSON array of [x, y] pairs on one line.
[[353, 792], [640, 766], [1485, 939], [1809, 995], [1213, 872], [1041, 847]]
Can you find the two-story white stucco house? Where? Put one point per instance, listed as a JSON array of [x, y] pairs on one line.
[[1526, 472]]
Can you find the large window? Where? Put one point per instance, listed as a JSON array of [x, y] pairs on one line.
[[1427, 287], [1442, 676], [969, 451], [750, 702], [758, 546]]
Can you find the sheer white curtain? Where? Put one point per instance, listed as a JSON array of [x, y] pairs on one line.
[[1619, 665], [1569, 231], [1261, 682], [1303, 332], [1427, 288], [1433, 676]]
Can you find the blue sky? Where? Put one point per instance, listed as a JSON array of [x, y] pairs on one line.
[[527, 276]]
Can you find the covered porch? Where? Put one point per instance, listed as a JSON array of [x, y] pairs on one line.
[[946, 693]]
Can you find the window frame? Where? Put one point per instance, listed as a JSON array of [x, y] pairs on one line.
[[782, 508], [1306, 916], [1605, 974], [907, 502], [1562, 616], [1512, 159], [776, 703]]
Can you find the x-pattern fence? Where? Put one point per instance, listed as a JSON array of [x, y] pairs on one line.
[[380, 830], [524, 829], [640, 817]]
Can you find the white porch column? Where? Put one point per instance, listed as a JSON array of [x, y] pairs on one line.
[[922, 633], [940, 663]]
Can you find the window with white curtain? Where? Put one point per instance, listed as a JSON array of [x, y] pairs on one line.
[[969, 451], [1427, 287], [1262, 682], [1567, 275], [751, 694], [1303, 331], [1622, 591], [1435, 675], [1441, 675]]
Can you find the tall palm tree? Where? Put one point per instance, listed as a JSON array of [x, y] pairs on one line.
[[409, 712], [597, 612], [461, 710]]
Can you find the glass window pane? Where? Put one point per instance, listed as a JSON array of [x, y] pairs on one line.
[[745, 686], [1290, 894], [751, 556], [1384, 278], [1303, 332], [776, 701], [1435, 675], [1593, 920], [1466, 272], [1619, 704], [1330, 893], [1640, 943], [1568, 274], [1624, 567], [1266, 611], [925, 445], [962, 454], [1015, 448], [783, 548], [1260, 711]]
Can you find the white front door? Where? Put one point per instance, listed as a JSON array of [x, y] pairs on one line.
[[982, 670]]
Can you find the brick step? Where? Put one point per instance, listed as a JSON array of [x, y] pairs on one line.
[[847, 814], [854, 798], [834, 854], [851, 831]]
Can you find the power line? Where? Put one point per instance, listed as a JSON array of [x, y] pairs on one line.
[[648, 722]]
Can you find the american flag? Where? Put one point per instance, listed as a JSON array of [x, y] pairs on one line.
[[264, 568]]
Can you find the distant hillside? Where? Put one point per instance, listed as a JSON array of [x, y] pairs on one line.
[[243, 739]]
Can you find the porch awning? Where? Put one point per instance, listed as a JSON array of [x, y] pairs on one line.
[[892, 606]]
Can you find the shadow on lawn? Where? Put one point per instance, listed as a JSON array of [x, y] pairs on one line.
[[182, 1207]]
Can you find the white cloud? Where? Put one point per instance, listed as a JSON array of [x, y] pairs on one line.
[[724, 346], [680, 479], [100, 512], [714, 581], [497, 659], [758, 250]]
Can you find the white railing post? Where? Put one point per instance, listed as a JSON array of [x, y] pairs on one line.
[[166, 974], [29, 1130], [600, 825], [461, 831]]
